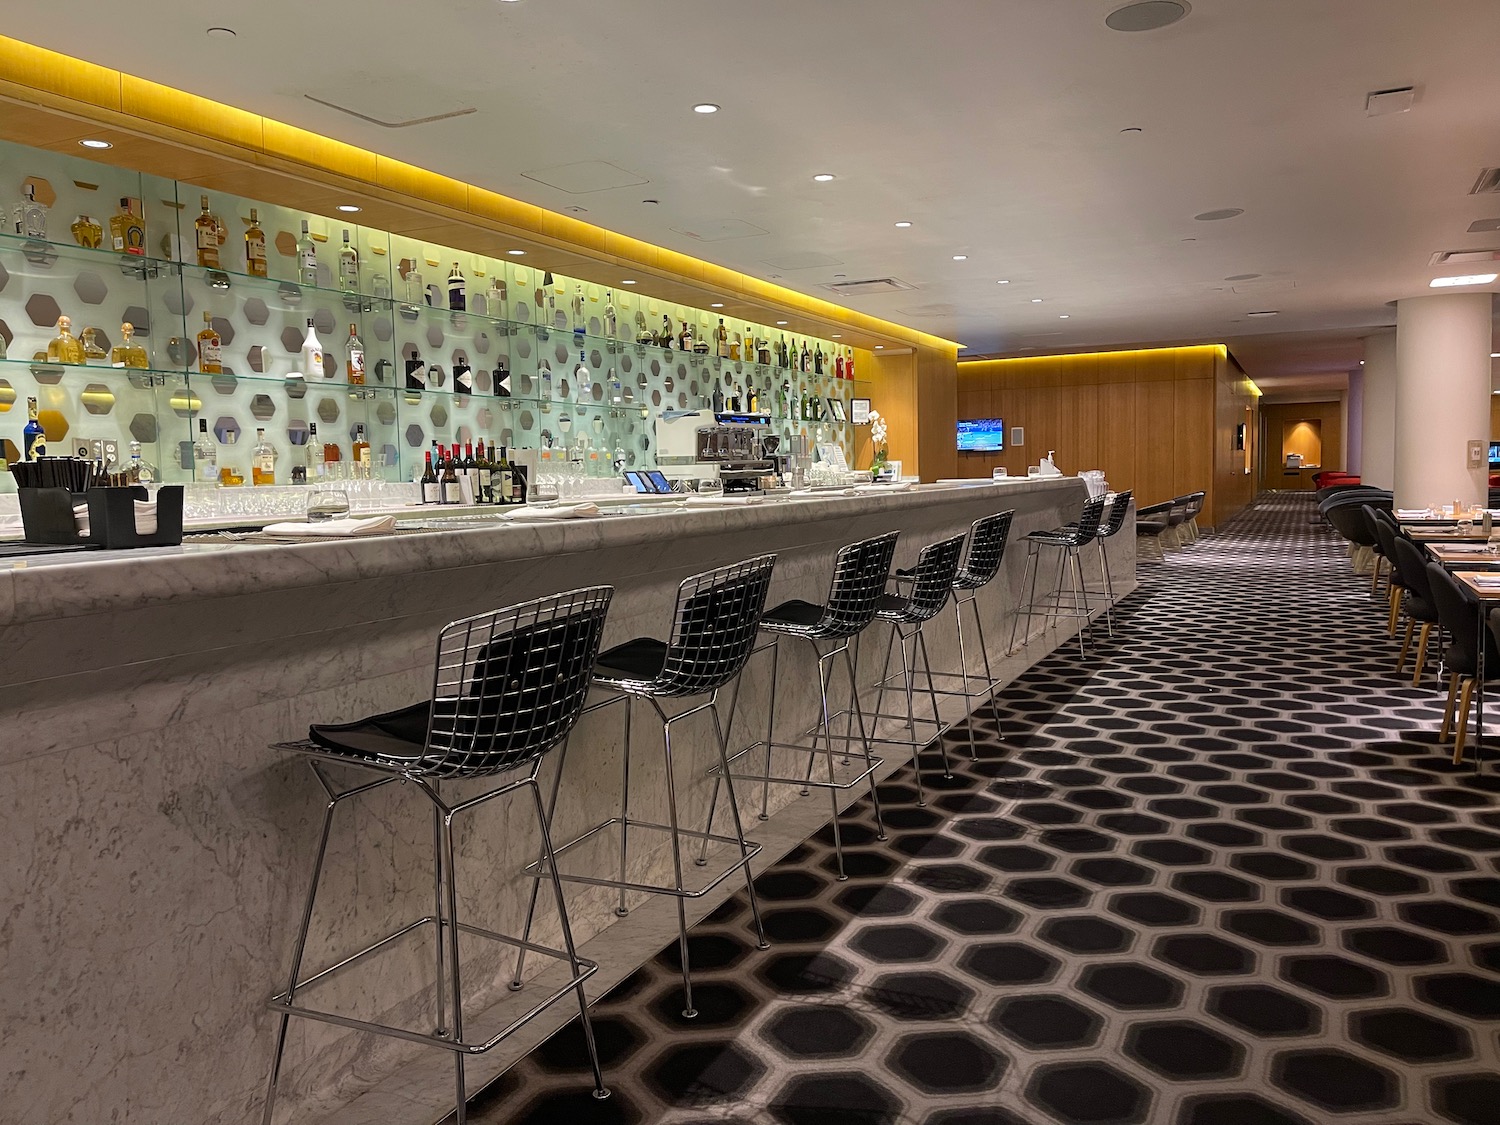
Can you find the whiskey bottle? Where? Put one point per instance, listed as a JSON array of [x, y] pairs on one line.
[[87, 232], [431, 494], [210, 349], [209, 234], [255, 248], [127, 353], [141, 471], [354, 352], [307, 258], [753, 400], [229, 476], [31, 216], [331, 456], [416, 372], [262, 460], [33, 437], [65, 347], [348, 267], [721, 340], [458, 290], [312, 355], [315, 453], [360, 452], [127, 230], [205, 455]]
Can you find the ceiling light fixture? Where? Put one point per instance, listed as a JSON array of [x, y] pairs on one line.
[[92, 143], [960, 257], [1036, 300], [1062, 316], [628, 281], [717, 305], [880, 347], [348, 208], [1264, 312], [220, 33], [823, 177], [1004, 282], [1493, 355], [1221, 213], [1465, 279], [1146, 15], [705, 107], [903, 224], [837, 336], [516, 253], [780, 322]]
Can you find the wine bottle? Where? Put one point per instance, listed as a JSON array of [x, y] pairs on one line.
[[452, 492], [506, 486], [431, 493]]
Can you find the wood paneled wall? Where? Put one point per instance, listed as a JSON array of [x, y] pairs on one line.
[[1160, 421], [916, 392], [1276, 420]]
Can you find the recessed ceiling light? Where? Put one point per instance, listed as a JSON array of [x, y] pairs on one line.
[[717, 305], [221, 33], [903, 224], [823, 177], [1242, 277], [1062, 316], [1221, 213], [1264, 312], [705, 107], [1466, 279], [1006, 281], [1036, 300], [781, 322], [348, 208], [1131, 129], [93, 143], [516, 253], [837, 336], [1493, 355], [1146, 15], [960, 257], [628, 281]]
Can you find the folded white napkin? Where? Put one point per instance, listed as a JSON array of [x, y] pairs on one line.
[[1413, 513], [561, 512], [742, 498], [897, 486], [374, 525], [145, 517]]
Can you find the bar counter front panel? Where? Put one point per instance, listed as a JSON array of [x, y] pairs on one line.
[[159, 849]]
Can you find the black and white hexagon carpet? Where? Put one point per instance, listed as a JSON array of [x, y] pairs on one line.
[[1219, 874]]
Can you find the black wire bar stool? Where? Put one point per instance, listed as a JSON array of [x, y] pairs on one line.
[[860, 572], [1069, 543], [714, 628], [508, 687], [1110, 525]]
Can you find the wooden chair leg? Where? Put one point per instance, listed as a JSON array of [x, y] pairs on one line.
[[1447, 727], [1395, 600], [1465, 697], [1375, 574], [1416, 676], [1411, 625]]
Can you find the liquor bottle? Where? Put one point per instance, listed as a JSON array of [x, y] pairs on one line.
[[209, 234], [307, 258], [360, 452], [818, 361], [721, 340], [354, 353], [315, 462], [127, 230], [87, 232], [255, 248], [332, 455], [666, 332], [505, 480], [616, 389], [717, 400], [210, 348], [229, 476], [416, 372], [838, 366], [763, 352], [312, 354], [429, 482], [416, 286], [753, 400], [463, 375], [380, 284], [31, 216], [611, 318], [262, 460], [33, 437], [849, 365], [735, 402], [127, 353], [579, 324], [685, 340], [494, 299], [141, 471], [806, 359], [205, 455], [550, 287], [64, 347], [348, 267], [458, 290], [451, 492]]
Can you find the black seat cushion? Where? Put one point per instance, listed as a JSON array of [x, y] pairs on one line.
[[892, 604], [1421, 609], [401, 735], [800, 613], [640, 659]]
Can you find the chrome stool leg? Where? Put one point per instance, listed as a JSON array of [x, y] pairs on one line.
[[688, 1011]]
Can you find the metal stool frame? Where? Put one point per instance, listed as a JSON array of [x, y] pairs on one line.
[[1069, 542], [714, 629], [508, 687], [860, 572]]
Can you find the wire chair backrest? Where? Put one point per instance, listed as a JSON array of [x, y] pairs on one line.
[[714, 627], [1089, 520], [932, 578], [1119, 508], [859, 577], [509, 685], [987, 539], [1195, 501]]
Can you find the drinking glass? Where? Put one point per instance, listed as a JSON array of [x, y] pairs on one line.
[[326, 504]]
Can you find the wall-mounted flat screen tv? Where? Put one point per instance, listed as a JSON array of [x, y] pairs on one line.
[[981, 435]]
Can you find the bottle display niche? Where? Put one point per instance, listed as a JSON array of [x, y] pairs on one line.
[[245, 343]]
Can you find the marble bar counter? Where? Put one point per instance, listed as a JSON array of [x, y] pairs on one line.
[[157, 850]]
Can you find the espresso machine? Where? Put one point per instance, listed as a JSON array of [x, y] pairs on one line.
[[698, 445]]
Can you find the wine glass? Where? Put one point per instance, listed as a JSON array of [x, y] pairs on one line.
[[326, 504]]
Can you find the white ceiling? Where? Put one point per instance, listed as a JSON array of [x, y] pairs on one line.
[[994, 126]]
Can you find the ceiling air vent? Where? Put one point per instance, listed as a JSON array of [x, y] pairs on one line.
[[1488, 182], [868, 286], [1458, 257]]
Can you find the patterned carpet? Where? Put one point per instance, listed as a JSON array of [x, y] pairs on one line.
[[1222, 874]]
